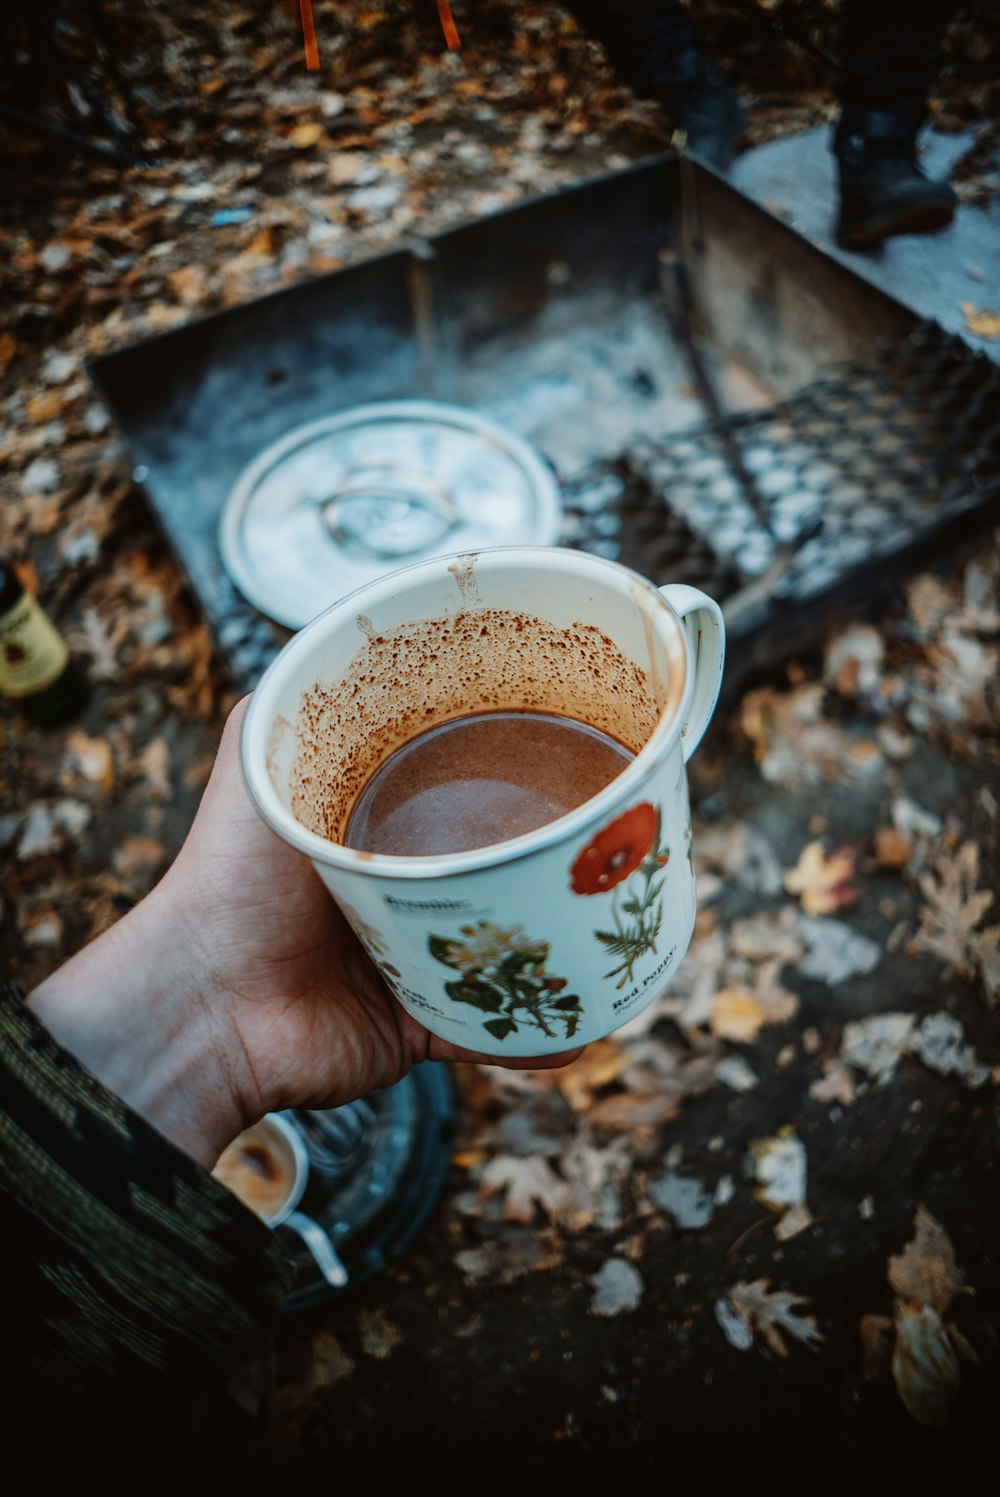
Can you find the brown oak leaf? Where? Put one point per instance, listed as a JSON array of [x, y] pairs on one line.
[[953, 910], [756, 1308], [525, 1184], [822, 880], [926, 1270]]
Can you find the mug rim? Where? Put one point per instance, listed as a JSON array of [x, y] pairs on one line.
[[256, 729], [300, 1158]]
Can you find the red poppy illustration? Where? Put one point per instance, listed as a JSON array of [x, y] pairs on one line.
[[616, 851], [629, 845]]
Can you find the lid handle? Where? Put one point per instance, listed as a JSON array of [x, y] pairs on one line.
[[389, 511]]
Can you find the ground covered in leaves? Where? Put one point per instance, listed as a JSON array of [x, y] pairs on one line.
[[767, 1209]]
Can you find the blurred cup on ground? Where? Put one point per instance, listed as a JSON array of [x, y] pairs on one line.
[[267, 1167]]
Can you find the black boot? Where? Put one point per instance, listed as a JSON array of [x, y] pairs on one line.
[[883, 191], [891, 55]]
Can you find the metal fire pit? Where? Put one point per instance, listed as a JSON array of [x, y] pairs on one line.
[[842, 439]]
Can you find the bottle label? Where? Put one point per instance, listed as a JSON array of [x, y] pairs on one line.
[[32, 652]]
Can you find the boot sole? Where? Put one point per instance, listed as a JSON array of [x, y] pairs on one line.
[[921, 218]]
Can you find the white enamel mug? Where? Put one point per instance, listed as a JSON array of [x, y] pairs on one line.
[[554, 938]]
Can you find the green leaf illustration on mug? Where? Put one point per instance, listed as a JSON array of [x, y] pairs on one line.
[[627, 860], [503, 974]]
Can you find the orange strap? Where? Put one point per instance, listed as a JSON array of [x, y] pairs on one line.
[[309, 35], [445, 16], [448, 26]]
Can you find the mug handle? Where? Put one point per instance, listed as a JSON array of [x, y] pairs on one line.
[[325, 1255], [706, 633]]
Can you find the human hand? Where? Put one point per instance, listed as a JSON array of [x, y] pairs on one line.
[[236, 987]]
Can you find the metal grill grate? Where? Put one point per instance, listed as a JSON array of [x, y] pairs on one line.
[[854, 472]]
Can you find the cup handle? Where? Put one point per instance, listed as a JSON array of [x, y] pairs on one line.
[[325, 1254], [706, 632]]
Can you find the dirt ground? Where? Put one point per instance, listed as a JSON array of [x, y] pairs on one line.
[[755, 1232]]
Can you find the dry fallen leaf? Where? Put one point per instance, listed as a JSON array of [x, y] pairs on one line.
[[793, 1222], [779, 1166], [304, 136], [938, 1043], [91, 757], [331, 1364], [794, 743], [741, 853], [924, 1364], [836, 1084], [749, 1308], [764, 937], [99, 640], [685, 1200], [780, 1004], [599, 1065], [627, 1112], [525, 1184], [733, 1071], [138, 856], [930, 601], [853, 661], [877, 1044], [345, 167], [737, 1014], [822, 880], [598, 1182], [189, 284], [48, 827], [379, 1337], [521, 1250], [835, 950], [877, 1342], [984, 324], [892, 849], [985, 946], [42, 929], [44, 407], [926, 1270], [953, 910], [617, 1288], [153, 766], [924, 1347]]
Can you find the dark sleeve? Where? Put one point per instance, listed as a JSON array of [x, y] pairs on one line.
[[124, 1263]]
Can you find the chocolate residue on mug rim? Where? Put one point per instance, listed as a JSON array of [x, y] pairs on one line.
[[431, 671]]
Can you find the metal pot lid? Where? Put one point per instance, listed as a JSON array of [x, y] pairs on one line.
[[341, 501]]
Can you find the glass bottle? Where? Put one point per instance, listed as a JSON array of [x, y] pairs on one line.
[[36, 671]]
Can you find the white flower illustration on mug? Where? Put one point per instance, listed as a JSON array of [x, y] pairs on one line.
[[503, 974]]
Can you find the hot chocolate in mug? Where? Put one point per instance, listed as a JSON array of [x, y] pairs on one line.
[[552, 937]]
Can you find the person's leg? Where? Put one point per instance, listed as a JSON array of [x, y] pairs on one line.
[[891, 54], [651, 46]]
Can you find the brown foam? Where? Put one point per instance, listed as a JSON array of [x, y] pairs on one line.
[[434, 670], [259, 1168]]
